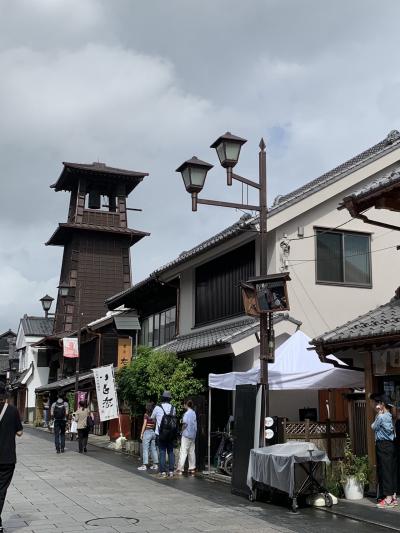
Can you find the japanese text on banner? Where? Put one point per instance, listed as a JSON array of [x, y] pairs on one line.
[[106, 394]]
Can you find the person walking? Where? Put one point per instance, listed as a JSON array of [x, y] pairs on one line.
[[148, 437], [10, 426], [166, 432], [385, 452], [59, 413], [46, 409], [188, 441], [81, 416]]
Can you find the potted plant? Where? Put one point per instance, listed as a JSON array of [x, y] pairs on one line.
[[354, 473]]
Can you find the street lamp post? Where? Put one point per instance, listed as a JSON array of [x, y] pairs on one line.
[[64, 292], [194, 172]]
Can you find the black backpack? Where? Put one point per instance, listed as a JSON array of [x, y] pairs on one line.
[[169, 426], [59, 412]]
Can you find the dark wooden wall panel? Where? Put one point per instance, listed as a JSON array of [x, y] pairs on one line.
[[218, 293]]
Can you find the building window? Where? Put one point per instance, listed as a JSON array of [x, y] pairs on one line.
[[343, 258], [218, 293], [158, 329]]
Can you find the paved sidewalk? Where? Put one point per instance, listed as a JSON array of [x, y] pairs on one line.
[[103, 492], [72, 493]]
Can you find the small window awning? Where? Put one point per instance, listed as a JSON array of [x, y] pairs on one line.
[[127, 321]]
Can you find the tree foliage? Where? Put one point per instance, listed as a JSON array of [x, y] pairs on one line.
[[152, 372]]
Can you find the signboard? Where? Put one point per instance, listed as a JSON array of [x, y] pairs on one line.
[[265, 294], [70, 347], [106, 394], [124, 351]]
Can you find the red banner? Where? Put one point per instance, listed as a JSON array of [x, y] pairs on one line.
[[70, 347]]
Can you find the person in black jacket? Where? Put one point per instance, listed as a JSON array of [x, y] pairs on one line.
[[10, 426]]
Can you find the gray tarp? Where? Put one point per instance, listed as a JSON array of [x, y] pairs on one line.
[[274, 466]]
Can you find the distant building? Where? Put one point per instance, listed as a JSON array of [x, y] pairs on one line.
[[7, 346], [33, 369]]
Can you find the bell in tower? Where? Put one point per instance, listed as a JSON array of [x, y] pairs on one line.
[[96, 240]]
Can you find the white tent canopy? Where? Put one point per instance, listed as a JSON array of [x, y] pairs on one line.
[[296, 367]]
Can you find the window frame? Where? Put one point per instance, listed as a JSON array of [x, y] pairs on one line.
[[342, 233], [151, 320]]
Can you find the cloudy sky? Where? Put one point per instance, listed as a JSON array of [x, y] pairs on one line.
[[146, 85]]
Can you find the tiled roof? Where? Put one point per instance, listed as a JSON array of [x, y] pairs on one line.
[[390, 143], [37, 326], [238, 227], [386, 182], [97, 171], [218, 336], [65, 383], [64, 230], [379, 322], [246, 222]]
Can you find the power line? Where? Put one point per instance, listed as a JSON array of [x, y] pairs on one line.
[[311, 300], [370, 252], [321, 232]]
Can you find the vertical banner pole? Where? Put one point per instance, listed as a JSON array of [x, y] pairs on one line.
[[209, 430]]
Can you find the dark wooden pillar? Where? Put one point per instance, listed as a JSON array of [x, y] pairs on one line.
[[369, 414]]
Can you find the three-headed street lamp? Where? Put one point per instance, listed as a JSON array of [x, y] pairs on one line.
[[262, 290]]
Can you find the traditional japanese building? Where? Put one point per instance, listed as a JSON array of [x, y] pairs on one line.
[[96, 240]]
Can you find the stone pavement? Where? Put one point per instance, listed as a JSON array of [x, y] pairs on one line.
[[104, 493]]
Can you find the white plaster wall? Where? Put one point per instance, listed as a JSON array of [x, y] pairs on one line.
[[319, 307], [323, 307]]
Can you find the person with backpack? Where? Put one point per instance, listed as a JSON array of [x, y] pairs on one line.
[[166, 432], [59, 413], [10, 426], [83, 420], [189, 431]]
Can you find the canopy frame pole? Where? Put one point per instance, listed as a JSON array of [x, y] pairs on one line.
[[209, 430]]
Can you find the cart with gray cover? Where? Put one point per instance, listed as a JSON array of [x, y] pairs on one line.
[[295, 468]]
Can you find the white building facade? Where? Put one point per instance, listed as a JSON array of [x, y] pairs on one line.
[[33, 371], [338, 268]]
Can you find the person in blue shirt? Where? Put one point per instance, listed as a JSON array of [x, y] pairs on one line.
[[189, 431], [385, 456]]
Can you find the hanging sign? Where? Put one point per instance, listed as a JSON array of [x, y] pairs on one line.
[[70, 347], [124, 351], [106, 394]]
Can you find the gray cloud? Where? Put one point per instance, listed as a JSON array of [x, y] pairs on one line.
[[144, 85]]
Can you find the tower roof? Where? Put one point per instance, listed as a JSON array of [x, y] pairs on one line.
[[65, 231], [97, 172]]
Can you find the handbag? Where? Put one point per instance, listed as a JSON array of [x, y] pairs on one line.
[[89, 423], [74, 426]]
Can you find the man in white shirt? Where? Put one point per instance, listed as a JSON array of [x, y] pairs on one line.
[[189, 431], [164, 445]]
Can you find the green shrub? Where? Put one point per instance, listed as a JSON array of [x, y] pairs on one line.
[[150, 373]]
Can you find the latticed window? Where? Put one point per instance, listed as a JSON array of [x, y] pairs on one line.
[[343, 258]]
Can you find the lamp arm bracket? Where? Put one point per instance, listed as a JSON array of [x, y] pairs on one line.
[[251, 183], [228, 204]]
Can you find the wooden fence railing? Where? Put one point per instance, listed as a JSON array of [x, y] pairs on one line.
[[329, 436]]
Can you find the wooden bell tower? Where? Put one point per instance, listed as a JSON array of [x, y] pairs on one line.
[[96, 240]]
